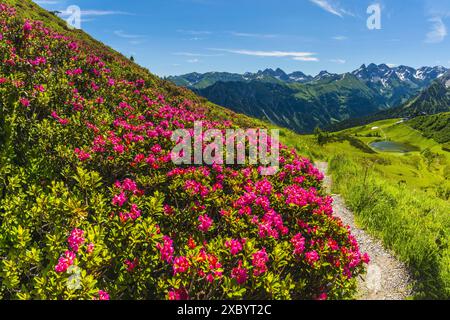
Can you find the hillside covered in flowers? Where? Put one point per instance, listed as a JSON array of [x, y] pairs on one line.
[[92, 207]]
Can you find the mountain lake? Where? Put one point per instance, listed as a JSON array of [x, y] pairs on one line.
[[392, 146]]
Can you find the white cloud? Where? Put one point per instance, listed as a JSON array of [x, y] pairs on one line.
[[438, 31], [391, 65], [122, 34], [191, 54], [253, 35], [314, 59], [137, 42], [96, 13], [103, 13], [301, 56], [331, 7], [40, 2], [340, 38], [194, 32], [339, 61], [193, 60]]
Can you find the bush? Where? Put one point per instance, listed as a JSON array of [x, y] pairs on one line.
[[91, 207]]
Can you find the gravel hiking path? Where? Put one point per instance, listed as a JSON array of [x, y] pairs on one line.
[[386, 277]]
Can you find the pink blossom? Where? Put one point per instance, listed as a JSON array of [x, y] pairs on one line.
[[194, 187], [264, 187], [119, 148], [129, 185], [180, 265], [134, 212], [168, 210], [235, 246], [366, 258], [131, 265], [322, 296], [24, 102], [76, 239], [156, 148], [65, 261], [240, 274], [205, 223], [81, 154], [119, 199], [27, 27], [259, 261], [103, 295], [73, 46], [166, 249], [90, 248], [299, 244], [39, 87], [312, 257], [178, 294]]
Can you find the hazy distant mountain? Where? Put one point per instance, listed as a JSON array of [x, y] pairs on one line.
[[200, 81], [375, 74], [301, 102]]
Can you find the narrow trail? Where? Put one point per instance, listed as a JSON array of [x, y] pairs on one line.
[[386, 277]]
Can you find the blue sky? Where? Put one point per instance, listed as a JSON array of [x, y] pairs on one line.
[[172, 37]]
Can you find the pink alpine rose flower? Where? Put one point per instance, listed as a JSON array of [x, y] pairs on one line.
[[205, 223], [24, 102], [239, 273], [65, 262], [103, 295]]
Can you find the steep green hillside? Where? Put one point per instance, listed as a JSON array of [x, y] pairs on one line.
[[436, 127], [432, 100], [93, 204]]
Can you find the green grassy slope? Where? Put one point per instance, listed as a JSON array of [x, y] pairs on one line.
[[423, 168], [87, 186], [402, 198], [436, 127]]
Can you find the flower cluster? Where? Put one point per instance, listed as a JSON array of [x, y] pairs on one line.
[[65, 261], [76, 239], [259, 261], [92, 149]]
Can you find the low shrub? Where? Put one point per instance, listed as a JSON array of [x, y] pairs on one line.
[[91, 207]]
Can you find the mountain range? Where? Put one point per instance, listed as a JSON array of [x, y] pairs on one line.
[[302, 102], [430, 101]]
